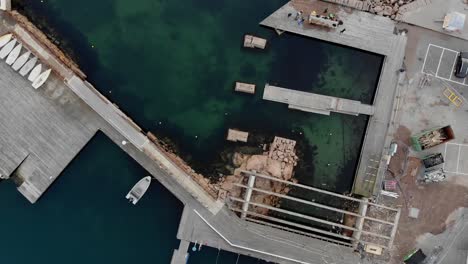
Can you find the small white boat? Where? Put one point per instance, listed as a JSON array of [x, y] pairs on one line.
[[28, 66], [7, 49], [21, 61], [5, 39], [41, 79], [14, 54], [139, 190], [35, 72]]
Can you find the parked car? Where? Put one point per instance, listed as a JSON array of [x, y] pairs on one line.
[[461, 69]]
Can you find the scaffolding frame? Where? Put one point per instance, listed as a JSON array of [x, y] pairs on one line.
[[246, 212]]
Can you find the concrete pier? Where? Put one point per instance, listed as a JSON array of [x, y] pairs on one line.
[[181, 254], [369, 33], [315, 103]]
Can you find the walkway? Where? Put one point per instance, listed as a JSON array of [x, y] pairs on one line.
[[315, 103]]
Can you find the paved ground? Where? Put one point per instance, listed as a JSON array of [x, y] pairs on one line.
[[429, 60], [456, 156], [440, 63], [431, 16]]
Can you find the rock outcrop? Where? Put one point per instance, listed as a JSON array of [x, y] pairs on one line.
[[278, 162]]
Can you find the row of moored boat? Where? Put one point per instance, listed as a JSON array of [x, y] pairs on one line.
[[11, 49]]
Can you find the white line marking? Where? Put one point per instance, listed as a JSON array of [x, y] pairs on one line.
[[441, 58], [430, 44], [458, 158], [459, 173], [438, 65], [246, 248], [458, 144], [445, 79], [425, 58], [453, 68]]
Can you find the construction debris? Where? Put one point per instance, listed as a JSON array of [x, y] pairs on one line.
[[434, 176], [282, 150], [433, 160]]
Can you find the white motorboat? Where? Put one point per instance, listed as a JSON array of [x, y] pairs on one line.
[[21, 61], [28, 66], [41, 79], [35, 72], [14, 54], [7, 49], [139, 190], [5, 39]]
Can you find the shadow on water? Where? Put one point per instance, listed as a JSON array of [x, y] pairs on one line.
[[208, 255]]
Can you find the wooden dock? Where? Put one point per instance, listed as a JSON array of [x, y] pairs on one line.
[[370, 33], [39, 139], [237, 135], [245, 88], [315, 103]]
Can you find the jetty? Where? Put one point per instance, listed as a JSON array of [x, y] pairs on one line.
[[315, 103]]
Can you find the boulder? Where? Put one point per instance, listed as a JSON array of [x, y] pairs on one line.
[[388, 10], [256, 162]]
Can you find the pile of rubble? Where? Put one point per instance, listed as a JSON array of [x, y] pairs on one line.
[[389, 8], [386, 7], [282, 150]]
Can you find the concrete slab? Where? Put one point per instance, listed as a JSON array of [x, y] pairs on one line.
[[451, 157], [430, 16]]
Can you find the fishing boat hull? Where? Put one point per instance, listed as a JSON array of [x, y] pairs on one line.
[[14, 54], [5, 39], [41, 79], [35, 73], [139, 190], [28, 66], [21, 61], [7, 49]]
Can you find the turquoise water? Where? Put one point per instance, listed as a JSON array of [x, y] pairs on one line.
[[172, 66]]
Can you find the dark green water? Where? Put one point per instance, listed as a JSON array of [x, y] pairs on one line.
[[171, 66]]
